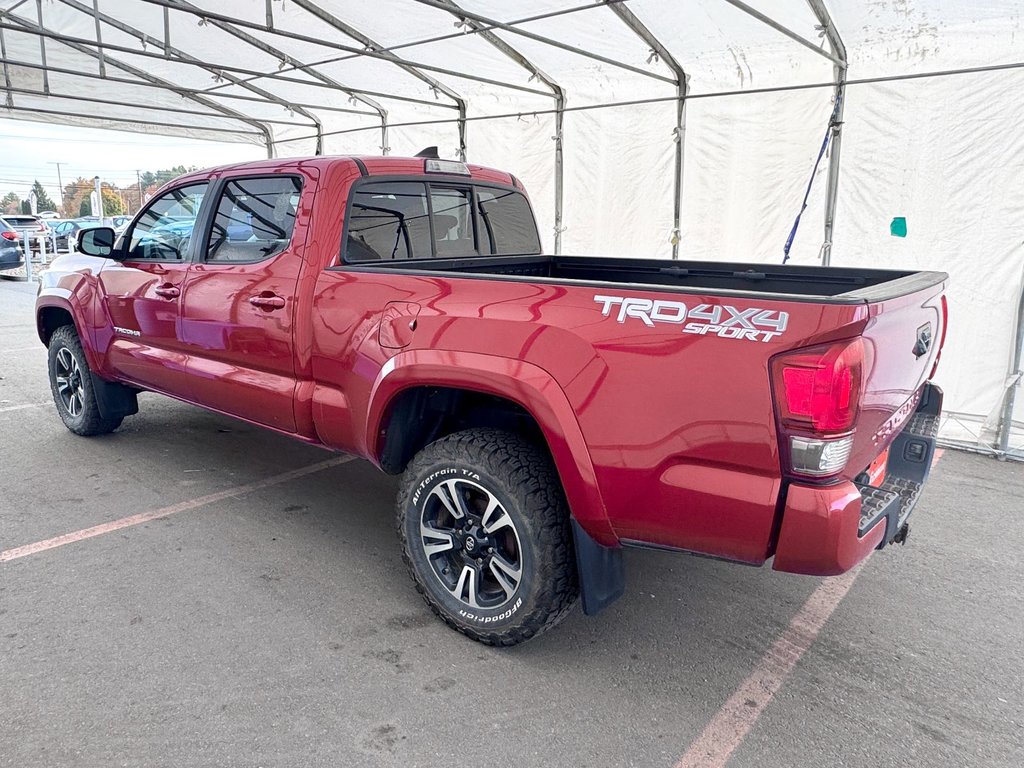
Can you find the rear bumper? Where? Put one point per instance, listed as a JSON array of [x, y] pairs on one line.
[[827, 530]]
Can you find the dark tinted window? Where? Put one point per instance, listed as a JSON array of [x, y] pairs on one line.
[[506, 222], [163, 231], [255, 219], [389, 221], [453, 221]]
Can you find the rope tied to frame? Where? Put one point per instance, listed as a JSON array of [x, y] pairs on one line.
[[833, 122]]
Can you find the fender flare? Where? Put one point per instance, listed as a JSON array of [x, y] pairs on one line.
[[61, 298], [525, 384]]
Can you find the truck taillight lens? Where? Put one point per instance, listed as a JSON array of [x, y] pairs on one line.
[[817, 395], [819, 458], [818, 389]]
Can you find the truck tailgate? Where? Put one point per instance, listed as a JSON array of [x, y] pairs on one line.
[[903, 339]]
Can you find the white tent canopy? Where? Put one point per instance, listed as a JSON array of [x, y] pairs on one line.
[[640, 127]]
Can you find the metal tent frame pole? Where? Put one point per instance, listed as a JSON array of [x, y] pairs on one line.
[[557, 93], [840, 69], [371, 44], [154, 80], [682, 88], [1016, 376]]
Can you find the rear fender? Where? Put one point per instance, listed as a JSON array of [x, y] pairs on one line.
[[523, 383]]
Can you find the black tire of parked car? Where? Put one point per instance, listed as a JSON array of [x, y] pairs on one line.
[[510, 572], [72, 387]]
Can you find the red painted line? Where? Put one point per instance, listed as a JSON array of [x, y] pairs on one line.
[[730, 725], [184, 506]]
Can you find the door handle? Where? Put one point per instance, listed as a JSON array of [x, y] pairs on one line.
[[267, 301], [167, 291]]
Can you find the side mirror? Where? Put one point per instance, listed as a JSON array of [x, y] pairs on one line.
[[98, 241]]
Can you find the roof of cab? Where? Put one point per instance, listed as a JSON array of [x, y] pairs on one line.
[[372, 165]]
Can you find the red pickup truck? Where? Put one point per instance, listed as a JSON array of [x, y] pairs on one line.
[[544, 411]]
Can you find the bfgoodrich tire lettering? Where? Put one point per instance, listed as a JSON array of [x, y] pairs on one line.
[[485, 533], [71, 385]]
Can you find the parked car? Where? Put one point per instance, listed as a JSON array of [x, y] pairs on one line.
[[11, 256], [48, 215], [33, 225], [66, 231], [543, 411]]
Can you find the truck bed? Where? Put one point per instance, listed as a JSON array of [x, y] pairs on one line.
[[797, 283]]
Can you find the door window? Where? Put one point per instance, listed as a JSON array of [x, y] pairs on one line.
[[255, 219], [163, 231]]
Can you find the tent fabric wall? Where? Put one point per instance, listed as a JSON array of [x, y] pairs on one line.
[[944, 152]]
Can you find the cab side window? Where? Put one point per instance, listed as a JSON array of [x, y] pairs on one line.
[[255, 219], [164, 230]]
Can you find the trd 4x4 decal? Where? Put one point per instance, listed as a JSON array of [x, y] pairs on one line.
[[723, 320]]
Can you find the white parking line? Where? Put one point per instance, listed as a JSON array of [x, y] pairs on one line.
[[738, 715], [184, 506]]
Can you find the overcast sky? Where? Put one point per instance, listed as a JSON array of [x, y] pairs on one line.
[[28, 151]]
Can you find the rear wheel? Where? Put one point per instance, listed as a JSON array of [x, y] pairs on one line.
[[72, 386], [485, 533]]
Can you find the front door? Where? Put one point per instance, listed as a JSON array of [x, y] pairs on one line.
[[141, 293], [238, 302]]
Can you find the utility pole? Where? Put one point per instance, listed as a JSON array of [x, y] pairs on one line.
[[138, 179], [60, 182], [99, 198]]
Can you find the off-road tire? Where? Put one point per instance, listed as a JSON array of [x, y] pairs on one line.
[[86, 419], [521, 476]]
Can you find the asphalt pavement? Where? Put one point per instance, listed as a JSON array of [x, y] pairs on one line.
[[270, 622]]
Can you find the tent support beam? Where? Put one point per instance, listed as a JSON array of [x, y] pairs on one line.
[[255, 42], [27, 26], [682, 86], [130, 120], [494, 24], [146, 39], [42, 46], [9, 99], [136, 105], [180, 90], [211, 16], [556, 92], [368, 42], [1016, 376], [833, 57], [840, 69], [219, 69]]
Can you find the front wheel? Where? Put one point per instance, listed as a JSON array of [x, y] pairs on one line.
[[485, 533], [72, 386]]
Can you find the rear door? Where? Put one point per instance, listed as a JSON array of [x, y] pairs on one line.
[[238, 306], [141, 293]]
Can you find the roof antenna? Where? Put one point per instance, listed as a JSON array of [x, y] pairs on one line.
[[429, 152]]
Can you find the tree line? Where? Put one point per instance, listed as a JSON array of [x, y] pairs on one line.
[[117, 200]]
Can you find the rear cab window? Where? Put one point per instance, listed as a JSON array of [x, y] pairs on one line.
[[412, 219]]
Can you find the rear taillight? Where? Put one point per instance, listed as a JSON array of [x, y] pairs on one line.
[[817, 395], [942, 337], [7, 235]]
